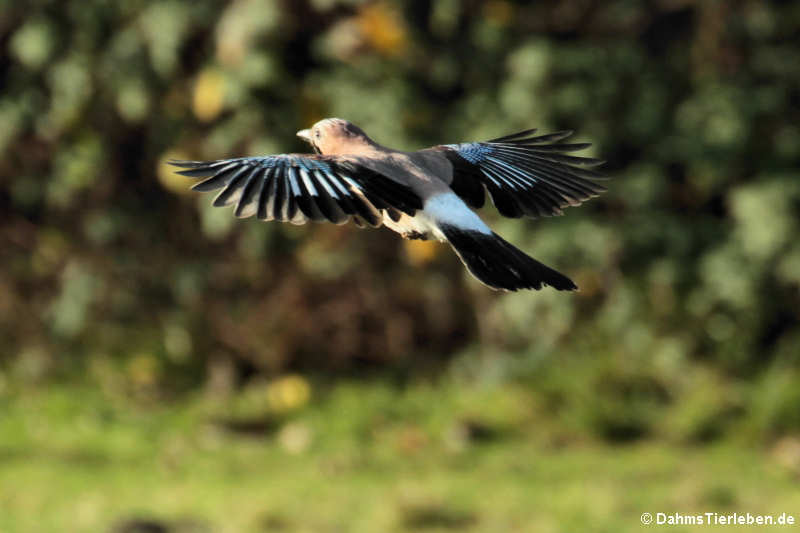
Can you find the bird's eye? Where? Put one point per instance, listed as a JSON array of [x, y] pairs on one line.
[[317, 134]]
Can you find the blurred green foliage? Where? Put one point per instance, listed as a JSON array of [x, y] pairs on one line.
[[687, 320]]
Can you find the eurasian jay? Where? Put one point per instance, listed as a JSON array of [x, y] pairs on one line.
[[420, 195]]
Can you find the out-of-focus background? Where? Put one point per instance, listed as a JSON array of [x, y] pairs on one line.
[[167, 368]]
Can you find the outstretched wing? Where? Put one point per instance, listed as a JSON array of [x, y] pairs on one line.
[[525, 175], [299, 187]]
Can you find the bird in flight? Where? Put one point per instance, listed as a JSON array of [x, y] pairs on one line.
[[420, 195]]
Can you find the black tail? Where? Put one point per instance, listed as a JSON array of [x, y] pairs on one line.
[[501, 265]]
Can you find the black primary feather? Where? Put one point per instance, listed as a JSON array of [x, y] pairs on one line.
[[295, 188]]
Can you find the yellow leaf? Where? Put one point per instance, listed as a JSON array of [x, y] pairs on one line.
[[383, 29], [289, 392], [420, 252], [209, 95], [167, 175]]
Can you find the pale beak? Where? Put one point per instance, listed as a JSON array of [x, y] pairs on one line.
[[305, 135]]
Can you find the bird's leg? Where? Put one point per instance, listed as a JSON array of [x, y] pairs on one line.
[[415, 235]]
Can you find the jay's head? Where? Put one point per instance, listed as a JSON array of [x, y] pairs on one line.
[[333, 136]]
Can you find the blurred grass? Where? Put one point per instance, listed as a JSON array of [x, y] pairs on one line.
[[438, 456]]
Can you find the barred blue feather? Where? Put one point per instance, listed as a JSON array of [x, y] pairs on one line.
[[525, 175]]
